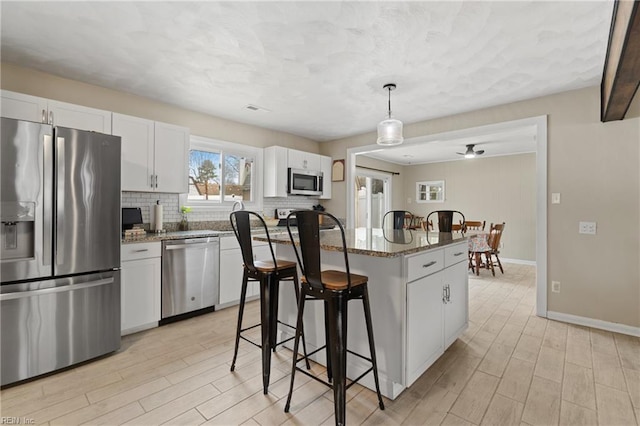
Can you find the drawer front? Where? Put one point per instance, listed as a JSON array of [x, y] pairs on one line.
[[135, 251], [228, 243], [424, 264], [456, 254]]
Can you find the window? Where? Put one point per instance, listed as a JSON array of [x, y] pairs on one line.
[[221, 173], [430, 192]]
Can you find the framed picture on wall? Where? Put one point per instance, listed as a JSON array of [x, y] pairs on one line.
[[337, 171], [430, 191]]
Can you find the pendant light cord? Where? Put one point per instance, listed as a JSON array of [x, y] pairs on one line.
[[389, 102]]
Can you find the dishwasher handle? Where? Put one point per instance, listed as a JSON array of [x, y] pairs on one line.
[[191, 245]]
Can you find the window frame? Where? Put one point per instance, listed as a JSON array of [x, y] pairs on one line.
[[202, 143]]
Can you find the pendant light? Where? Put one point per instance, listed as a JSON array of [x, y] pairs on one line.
[[390, 129]]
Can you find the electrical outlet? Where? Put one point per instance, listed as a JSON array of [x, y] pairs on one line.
[[587, 228], [555, 286], [501, 245], [555, 198]]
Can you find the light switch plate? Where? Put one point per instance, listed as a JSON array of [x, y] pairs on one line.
[[587, 228], [555, 198]]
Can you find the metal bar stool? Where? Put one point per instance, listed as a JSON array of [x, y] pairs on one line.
[[445, 220], [269, 273], [335, 289]]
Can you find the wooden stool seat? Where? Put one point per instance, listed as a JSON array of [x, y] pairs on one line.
[[268, 266], [338, 280]]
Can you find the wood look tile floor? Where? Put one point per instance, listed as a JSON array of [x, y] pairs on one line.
[[509, 368]]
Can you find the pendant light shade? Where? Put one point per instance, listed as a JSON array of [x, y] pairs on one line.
[[390, 129]]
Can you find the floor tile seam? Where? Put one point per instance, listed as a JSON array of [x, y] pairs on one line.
[[88, 422], [30, 415], [228, 408], [169, 402]]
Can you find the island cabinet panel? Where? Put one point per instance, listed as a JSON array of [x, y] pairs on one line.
[[231, 269], [425, 342], [417, 291], [456, 308]]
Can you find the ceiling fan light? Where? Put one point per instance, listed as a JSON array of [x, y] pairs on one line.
[[390, 132], [470, 155]]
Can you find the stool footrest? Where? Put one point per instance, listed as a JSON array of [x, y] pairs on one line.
[[327, 383]]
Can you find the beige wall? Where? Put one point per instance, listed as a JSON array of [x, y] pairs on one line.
[[596, 168], [494, 189], [36, 83]]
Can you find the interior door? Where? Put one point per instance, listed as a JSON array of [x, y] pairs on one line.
[[372, 198]]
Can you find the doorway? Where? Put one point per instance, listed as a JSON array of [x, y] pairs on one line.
[[371, 198]]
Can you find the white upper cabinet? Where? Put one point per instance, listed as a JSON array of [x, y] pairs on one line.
[[275, 171], [154, 154], [171, 158], [32, 108], [277, 161], [137, 151], [325, 167], [303, 160]]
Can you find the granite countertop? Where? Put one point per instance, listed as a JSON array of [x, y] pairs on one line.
[[378, 242], [200, 233]]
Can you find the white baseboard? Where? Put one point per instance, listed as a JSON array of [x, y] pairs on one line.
[[595, 323], [519, 261]]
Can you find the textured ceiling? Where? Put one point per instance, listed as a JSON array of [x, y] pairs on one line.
[[317, 67]]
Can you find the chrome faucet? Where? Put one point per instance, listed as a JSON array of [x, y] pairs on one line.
[[237, 203]]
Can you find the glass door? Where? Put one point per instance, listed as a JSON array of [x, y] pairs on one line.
[[371, 198]]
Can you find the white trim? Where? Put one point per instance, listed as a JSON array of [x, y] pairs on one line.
[[595, 323], [540, 122], [519, 261], [204, 143]]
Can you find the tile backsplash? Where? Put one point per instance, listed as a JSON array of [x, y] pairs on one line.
[[171, 209]]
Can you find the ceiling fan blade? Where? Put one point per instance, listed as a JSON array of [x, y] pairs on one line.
[[480, 151], [461, 153]]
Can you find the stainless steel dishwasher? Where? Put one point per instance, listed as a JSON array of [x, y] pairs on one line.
[[190, 275]]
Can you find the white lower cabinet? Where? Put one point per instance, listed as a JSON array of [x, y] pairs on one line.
[[231, 269], [437, 305], [140, 286]]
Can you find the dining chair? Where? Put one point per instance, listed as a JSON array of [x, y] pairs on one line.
[[334, 288], [495, 234], [269, 273], [427, 226], [445, 220], [401, 219], [473, 225]]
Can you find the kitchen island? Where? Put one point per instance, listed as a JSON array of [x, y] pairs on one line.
[[418, 289]]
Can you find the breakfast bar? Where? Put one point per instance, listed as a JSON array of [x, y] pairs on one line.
[[418, 287]]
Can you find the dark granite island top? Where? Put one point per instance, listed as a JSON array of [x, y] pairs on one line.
[[377, 242]]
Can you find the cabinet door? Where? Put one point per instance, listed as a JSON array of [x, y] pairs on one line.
[[424, 324], [80, 117], [303, 160], [140, 294], [24, 107], [275, 171], [230, 275], [456, 310], [325, 167], [137, 151], [171, 158]]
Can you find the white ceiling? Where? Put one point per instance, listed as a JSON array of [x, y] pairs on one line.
[[318, 67], [509, 140]]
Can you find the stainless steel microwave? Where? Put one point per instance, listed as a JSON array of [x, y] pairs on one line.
[[304, 182]]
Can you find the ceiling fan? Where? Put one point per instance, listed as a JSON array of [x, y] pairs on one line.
[[470, 153]]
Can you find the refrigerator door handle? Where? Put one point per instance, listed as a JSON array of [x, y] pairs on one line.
[[60, 201], [31, 293], [51, 117], [47, 200]]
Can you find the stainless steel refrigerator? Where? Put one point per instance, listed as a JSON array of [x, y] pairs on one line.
[[59, 247]]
